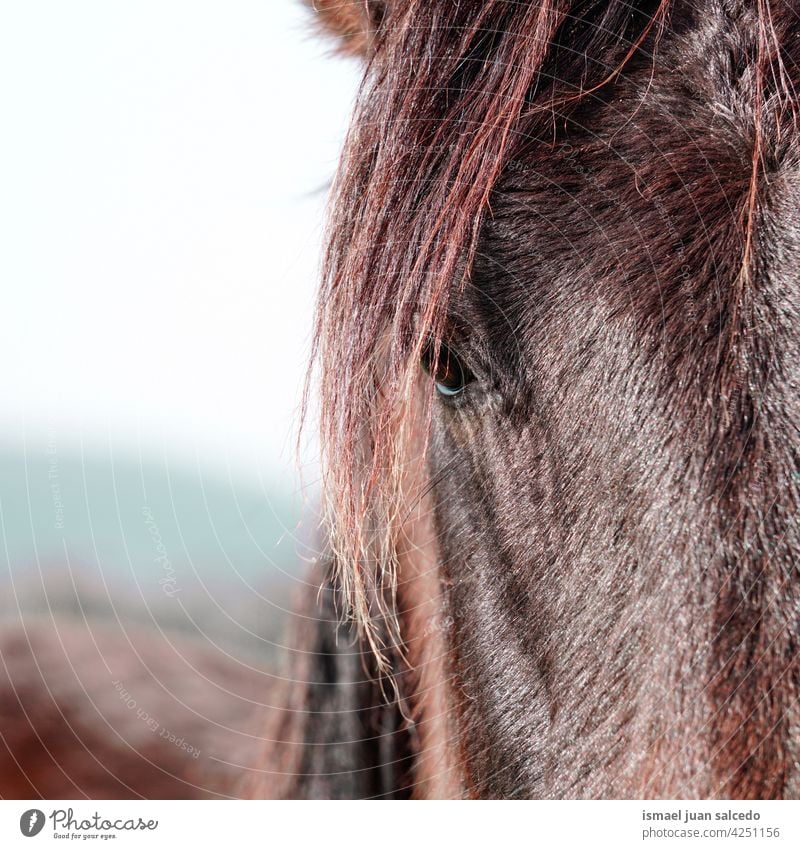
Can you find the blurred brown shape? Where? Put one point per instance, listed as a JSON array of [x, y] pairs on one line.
[[105, 712]]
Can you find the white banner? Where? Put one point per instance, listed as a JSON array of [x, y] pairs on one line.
[[392, 825]]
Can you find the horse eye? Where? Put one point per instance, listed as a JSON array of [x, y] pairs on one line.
[[449, 374]]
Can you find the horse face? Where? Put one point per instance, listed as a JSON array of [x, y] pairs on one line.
[[615, 479], [613, 449]]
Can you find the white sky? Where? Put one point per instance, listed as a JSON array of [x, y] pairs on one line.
[[158, 235]]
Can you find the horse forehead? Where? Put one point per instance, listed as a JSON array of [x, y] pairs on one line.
[[643, 196], [640, 229], [655, 178]]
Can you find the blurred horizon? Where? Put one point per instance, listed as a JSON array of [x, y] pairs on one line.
[[132, 541]]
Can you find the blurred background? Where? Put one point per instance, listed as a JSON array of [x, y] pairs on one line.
[[163, 174]]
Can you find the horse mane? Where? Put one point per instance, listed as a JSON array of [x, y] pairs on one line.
[[451, 93]]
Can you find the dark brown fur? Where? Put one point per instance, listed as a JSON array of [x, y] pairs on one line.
[[595, 206]]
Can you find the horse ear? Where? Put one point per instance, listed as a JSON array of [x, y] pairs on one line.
[[350, 22]]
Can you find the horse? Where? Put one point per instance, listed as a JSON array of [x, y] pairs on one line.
[[556, 352]]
